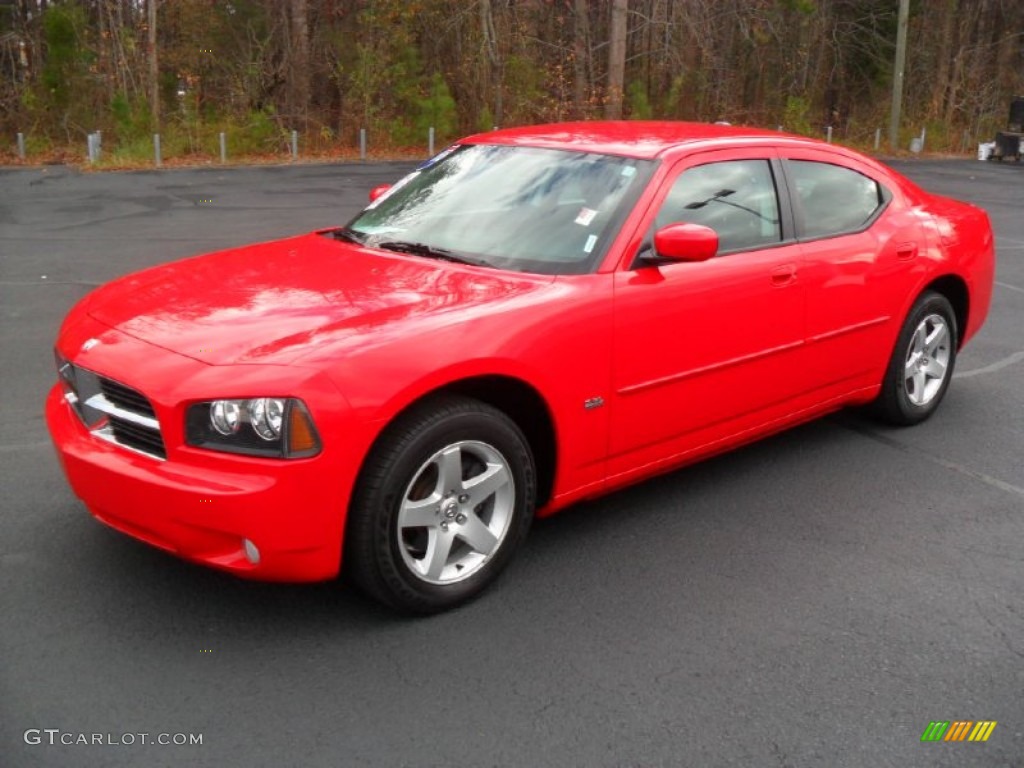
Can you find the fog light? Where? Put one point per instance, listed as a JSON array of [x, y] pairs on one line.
[[252, 554]]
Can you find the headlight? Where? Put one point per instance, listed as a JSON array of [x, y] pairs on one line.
[[226, 416], [267, 417], [279, 427]]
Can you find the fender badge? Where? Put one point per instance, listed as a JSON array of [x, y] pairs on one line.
[[89, 344]]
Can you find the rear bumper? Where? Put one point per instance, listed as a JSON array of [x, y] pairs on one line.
[[202, 508]]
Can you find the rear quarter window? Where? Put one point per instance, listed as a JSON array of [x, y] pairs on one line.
[[834, 200]]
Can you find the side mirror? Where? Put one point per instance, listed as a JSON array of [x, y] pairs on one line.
[[378, 191], [686, 242]]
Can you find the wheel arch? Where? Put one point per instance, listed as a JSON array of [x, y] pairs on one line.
[[514, 397], [954, 288]]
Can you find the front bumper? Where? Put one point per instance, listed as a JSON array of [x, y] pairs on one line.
[[202, 505], [203, 513]]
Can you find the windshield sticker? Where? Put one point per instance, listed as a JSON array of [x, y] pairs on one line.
[[628, 170], [591, 242], [586, 216]]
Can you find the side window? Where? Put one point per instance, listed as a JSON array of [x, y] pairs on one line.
[[834, 199], [736, 198]]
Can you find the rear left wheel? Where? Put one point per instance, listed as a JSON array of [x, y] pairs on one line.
[[442, 504], [922, 363]]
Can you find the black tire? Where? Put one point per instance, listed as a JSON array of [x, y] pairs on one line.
[[898, 403], [384, 553]]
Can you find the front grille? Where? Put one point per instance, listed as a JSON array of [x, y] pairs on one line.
[[126, 397], [113, 411], [138, 437]]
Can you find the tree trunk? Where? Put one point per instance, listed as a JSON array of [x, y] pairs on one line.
[[616, 60], [581, 54], [298, 64], [940, 85], [154, 69]]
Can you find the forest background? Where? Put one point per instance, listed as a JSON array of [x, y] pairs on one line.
[[256, 70]]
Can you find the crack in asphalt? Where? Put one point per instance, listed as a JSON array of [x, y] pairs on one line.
[[1011, 287], [995, 482], [998, 365]]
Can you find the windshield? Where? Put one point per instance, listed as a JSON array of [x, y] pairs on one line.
[[519, 208]]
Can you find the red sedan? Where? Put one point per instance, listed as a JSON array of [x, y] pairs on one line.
[[532, 317]]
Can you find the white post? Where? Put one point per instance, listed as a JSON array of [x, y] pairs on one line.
[[828, 134], [223, 148], [878, 138], [21, 146], [156, 150], [362, 143], [295, 145], [430, 142]]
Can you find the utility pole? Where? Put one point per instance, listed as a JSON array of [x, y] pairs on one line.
[[154, 69], [897, 75]]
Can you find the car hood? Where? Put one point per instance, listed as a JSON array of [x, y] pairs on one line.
[[277, 301]]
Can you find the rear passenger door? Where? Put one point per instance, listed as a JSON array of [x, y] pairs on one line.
[[860, 244]]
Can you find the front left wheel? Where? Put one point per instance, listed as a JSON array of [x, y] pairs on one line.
[[443, 501]]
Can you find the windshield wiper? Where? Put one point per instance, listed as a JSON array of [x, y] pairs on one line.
[[344, 233], [431, 251]]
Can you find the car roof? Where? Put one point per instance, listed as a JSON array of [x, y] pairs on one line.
[[644, 139]]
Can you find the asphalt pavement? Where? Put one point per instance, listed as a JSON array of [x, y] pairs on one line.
[[815, 599]]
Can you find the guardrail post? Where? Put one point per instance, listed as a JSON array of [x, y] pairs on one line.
[[362, 143], [156, 150], [295, 145], [430, 142], [223, 148], [21, 145], [878, 138]]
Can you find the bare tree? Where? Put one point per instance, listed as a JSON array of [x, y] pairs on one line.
[[581, 56], [298, 72], [154, 67], [616, 60]]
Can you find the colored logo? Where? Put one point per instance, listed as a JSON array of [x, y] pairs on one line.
[[958, 730]]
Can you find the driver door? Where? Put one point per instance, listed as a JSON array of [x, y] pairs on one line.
[[703, 350]]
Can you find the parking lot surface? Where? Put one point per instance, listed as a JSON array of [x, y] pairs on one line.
[[815, 599]]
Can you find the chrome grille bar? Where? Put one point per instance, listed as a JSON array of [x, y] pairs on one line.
[[102, 404], [112, 411]]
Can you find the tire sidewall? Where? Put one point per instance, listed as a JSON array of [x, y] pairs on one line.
[[899, 403], [480, 423]]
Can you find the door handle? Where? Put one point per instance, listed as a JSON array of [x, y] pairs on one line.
[[906, 250], [784, 274]]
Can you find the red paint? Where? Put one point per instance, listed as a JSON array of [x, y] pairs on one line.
[[690, 359]]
